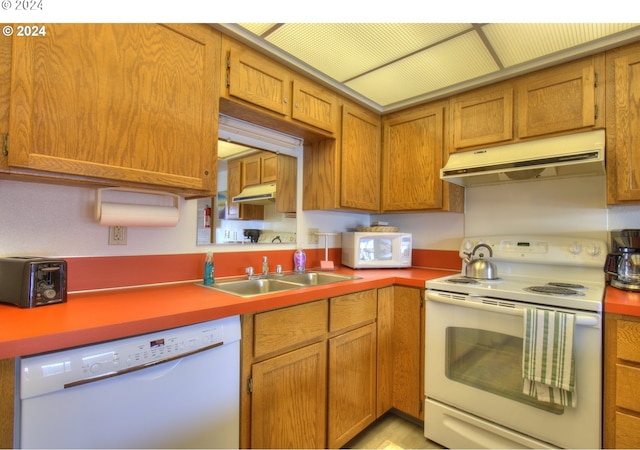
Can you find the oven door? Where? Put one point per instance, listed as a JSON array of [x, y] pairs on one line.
[[473, 369]]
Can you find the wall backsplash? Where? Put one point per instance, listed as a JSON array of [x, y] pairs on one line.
[[568, 206], [50, 220]]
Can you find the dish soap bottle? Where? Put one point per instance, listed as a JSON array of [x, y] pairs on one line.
[[208, 270], [299, 261]]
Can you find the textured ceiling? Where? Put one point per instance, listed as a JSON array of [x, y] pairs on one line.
[[394, 65]]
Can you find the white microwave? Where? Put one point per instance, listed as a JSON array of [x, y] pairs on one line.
[[376, 250]]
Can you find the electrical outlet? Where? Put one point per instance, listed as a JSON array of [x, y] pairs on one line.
[[117, 235], [312, 237]]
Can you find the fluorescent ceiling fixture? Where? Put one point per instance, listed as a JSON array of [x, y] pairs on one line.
[[390, 66]]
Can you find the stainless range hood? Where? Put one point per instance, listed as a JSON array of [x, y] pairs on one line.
[[573, 155], [258, 194]]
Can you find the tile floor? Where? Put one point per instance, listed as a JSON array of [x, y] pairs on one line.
[[392, 432]]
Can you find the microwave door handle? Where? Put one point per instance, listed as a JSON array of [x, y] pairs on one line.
[[581, 320]]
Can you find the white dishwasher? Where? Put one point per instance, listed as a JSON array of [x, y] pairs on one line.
[[176, 388]]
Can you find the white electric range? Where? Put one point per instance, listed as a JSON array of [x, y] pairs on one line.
[[474, 345]]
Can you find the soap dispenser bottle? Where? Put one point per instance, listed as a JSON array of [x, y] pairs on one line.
[[299, 261], [208, 279]]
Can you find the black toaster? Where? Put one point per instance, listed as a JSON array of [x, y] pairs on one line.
[[28, 282]]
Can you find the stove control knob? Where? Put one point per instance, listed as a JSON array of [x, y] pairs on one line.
[[575, 248]]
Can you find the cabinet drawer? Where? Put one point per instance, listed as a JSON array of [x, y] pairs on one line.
[[287, 327], [628, 335], [352, 309], [628, 387], [627, 431]]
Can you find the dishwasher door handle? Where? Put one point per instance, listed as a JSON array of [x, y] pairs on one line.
[[140, 367]]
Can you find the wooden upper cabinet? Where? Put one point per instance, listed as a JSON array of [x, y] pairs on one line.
[[623, 125], [287, 183], [5, 95], [360, 160], [256, 79], [559, 99], [314, 105], [252, 173], [130, 103], [483, 117], [269, 169], [413, 149]]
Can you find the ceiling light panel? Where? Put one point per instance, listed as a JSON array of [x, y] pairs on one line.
[[458, 60], [516, 43], [343, 51]]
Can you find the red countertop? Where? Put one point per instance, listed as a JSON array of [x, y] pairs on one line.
[[622, 302], [90, 317]]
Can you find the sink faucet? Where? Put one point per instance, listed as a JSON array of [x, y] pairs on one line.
[[265, 266]]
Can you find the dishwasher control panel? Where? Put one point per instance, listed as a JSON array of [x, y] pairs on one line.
[[68, 368]]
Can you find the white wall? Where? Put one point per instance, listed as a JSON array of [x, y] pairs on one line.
[[49, 220], [569, 206]]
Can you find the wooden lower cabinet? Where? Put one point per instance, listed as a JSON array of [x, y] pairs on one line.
[[622, 382], [311, 373], [352, 384], [408, 351], [319, 373], [7, 392], [289, 397]]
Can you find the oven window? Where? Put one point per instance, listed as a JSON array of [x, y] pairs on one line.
[[489, 361]]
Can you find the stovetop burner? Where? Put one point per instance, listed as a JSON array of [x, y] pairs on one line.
[[553, 289], [567, 285]]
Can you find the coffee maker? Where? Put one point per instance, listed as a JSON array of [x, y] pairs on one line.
[[623, 265]]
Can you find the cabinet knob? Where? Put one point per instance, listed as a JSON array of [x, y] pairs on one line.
[[286, 100], [297, 105]]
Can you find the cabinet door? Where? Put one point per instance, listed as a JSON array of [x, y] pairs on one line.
[[413, 151], [7, 398], [314, 105], [352, 384], [625, 133], [289, 400], [235, 169], [484, 117], [558, 99], [127, 102], [287, 184], [360, 160], [256, 79], [252, 172], [408, 351], [5, 94], [269, 170]]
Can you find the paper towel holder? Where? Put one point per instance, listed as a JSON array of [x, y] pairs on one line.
[[136, 214]]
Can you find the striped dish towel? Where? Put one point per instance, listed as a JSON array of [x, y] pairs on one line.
[[548, 365]]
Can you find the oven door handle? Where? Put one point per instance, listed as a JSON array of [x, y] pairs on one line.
[[493, 305]]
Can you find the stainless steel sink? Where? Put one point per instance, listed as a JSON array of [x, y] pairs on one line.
[[278, 283], [249, 288], [316, 278]]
